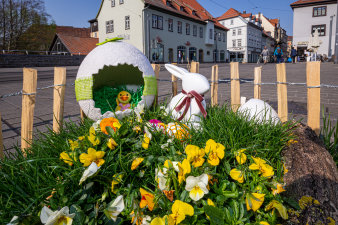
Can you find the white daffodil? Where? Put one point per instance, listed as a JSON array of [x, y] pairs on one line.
[[161, 178], [61, 217], [90, 171], [96, 125], [14, 221], [115, 208], [197, 186]]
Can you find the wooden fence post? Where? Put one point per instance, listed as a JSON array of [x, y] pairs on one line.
[[174, 83], [257, 81], [59, 97], [214, 85], [235, 86], [194, 67], [28, 105], [282, 92], [313, 95], [156, 68], [2, 155]]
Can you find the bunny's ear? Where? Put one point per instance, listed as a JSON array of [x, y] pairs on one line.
[[176, 71]]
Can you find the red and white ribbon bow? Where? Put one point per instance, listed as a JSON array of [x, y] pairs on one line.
[[187, 101]]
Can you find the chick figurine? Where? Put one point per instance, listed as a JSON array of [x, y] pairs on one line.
[[122, 101]]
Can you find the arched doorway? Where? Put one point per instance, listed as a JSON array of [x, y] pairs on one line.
[[181, 54], [157, 53], [192, 54], [200, 55], [170, 55]]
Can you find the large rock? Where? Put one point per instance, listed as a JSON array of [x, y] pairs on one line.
[[311, 172]]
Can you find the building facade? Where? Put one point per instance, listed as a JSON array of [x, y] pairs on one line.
[[311, 15], [244, 35], [165, 30], [94, 28]]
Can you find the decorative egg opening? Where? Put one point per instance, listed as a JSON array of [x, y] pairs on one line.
[[112, 80], [110, 69]]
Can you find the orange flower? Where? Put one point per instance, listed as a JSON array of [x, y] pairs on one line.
[[109, 122], [169, 194], [147, 199]]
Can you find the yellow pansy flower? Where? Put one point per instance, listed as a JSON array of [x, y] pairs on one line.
[[263, 223], [81, 138], [94, 140], [260, 164], [254, 201], [237, 175], [197, 186], [240, 156], [280, 208], [184, 168], [111, 144], [137, 129], [92, 156], [145, 142], [284, 169], [179, 211], [116, 180], [195, 155], [215, 151], [279, 189], [147, 199], [136, 163], [159, 221], [210, 202], [73, 144], [66, 158]]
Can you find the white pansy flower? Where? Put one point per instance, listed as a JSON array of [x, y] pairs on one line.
[[90, 171], [161, 178], [96, 125], [115, 208], [197, 186], [175, 165], [146, 220], [149, 135], [62, 216]]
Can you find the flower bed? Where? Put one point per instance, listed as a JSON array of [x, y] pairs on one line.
[[131, 171]]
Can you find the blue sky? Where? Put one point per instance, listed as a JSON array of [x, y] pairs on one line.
[[78, 12]]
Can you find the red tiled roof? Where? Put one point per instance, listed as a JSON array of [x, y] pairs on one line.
[[274, 21], [189, 6], [73, 31], [306, 2], [78, 45], [231, 13]]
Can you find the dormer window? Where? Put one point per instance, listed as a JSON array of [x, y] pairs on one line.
[[194, 13], [182, 9]]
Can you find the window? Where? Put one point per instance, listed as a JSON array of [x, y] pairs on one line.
[[201, 32], [233, 43], [239, 31], [121, 2], [109, 26], [182, 9], [239, 43], [234, 32], [187, 29], [219, 37], [179, 27], [127, 23], [223, 37], [170, 25], [215, 35], [321, 29], [112, 3], [319, 11], [194, 13], [231, 22], [157, 22], [194, 30], [211, 33]]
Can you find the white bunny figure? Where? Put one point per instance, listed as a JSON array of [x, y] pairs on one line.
[[188, 106]]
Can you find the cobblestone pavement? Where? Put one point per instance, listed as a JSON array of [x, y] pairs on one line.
[[10, 107]]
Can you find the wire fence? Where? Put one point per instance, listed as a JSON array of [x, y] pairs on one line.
[[220, 81]]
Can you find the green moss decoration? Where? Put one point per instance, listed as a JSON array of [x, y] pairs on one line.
[[105, 97]]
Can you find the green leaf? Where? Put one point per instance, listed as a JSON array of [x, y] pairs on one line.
[[110, 131], [216, 215]]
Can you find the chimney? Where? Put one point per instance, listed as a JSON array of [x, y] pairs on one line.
[[244, 12], [259, 15]]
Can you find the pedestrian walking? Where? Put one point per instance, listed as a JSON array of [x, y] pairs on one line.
[[293, 55], [265, 54], [278, 54], [179, 57]]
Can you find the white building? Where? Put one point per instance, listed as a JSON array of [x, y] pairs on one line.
[[244, 36], [163, 28], [311, 15]]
